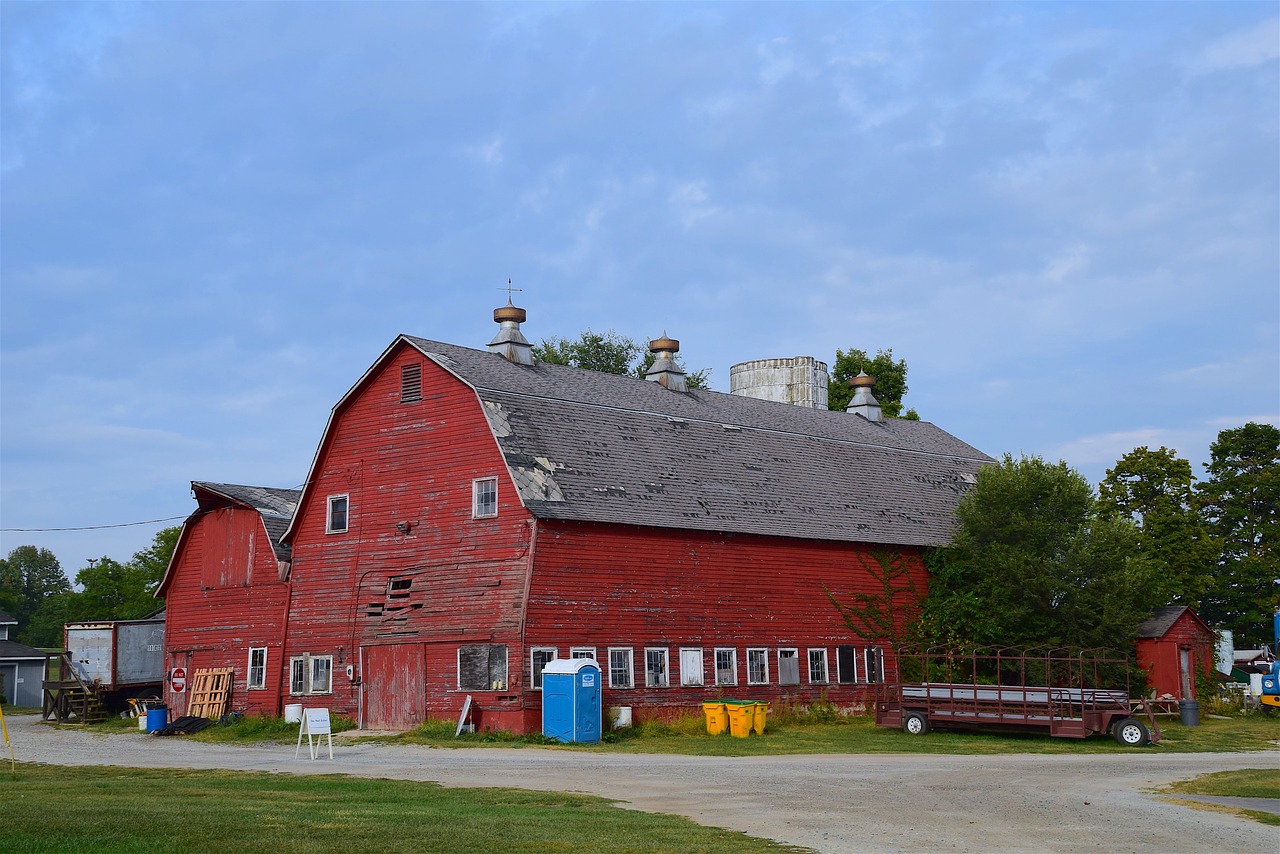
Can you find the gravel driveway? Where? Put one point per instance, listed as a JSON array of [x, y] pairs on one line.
[[864, 803]]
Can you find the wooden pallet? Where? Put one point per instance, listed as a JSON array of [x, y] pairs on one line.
[[210, 693]]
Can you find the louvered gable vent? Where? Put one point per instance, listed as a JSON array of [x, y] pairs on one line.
[[410, 383]]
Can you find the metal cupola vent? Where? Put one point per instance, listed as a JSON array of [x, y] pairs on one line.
[[664, 371]]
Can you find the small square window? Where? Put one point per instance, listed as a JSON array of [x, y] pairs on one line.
[[818, 666], [484, 498], [540, 657], [621, 668], [336, 519], [655, 667]]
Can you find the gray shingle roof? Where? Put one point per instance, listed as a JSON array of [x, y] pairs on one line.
[[5, 619], [588, 446], [1160, 621], [276, 506], [12, 650]]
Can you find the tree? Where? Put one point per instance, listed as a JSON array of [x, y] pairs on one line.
[[608, 353], [1241, 502], [889, 613], [28, 576], [1034, 563], [890, 376], [1155, 489]]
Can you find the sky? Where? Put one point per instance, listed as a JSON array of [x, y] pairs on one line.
[[215, 216]]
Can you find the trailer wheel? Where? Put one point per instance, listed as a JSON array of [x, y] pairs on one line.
[[915, 723], [1131, 733]]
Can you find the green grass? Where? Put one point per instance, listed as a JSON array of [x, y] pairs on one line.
[[1246, 783], [858, 734], [104, 810]]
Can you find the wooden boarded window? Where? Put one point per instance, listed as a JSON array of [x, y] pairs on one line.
[[875, 665], [788, 667], [482, 667], [410, 383], [691, 667], [846, 669]]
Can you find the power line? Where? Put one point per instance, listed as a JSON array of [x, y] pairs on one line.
[[87, 527]]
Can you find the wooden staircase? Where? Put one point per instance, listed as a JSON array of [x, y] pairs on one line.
[[67, 698]]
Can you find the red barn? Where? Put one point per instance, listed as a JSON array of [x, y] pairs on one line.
[[225, 596], [1174, 645], [471, 515]]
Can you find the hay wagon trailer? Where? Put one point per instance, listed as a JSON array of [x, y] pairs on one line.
[[1067, 695]]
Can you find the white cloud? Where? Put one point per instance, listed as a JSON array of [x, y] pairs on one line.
[[1245, 48]]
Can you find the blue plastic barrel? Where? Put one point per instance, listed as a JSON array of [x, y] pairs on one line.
[[157, 718]]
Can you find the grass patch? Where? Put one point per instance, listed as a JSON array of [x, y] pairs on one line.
[[1245, 783], [105, 810]]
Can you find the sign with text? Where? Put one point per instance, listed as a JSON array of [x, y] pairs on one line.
[[315, 725], [178, 679]]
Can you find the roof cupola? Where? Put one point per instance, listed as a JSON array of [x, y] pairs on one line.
[[864, 403], [510, 343], [665, 371]]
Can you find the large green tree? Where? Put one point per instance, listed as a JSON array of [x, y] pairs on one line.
[[1035, 562], [890, 375], [1155, 489], [609, 353], [1240, 499], [29, 576]]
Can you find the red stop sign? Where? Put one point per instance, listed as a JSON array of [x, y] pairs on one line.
[[178, 679]]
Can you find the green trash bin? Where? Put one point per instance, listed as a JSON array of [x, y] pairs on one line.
[[742, 715], [717, 718], [758, 719]]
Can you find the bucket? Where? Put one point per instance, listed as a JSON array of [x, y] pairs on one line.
[[157, 718], [293, 713], [1189, 710], [142, 722]]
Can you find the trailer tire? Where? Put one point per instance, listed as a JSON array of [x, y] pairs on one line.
[[915, 723], [1130, 733]]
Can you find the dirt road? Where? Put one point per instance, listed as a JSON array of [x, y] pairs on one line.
[[886, 803]]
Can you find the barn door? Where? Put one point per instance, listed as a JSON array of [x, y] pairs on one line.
[[177, 702], [394, 679], [1184, 671]]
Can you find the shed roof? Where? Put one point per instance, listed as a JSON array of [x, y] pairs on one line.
[[1162, 620], [12, 650], [588, 446], [6, 620], [276, 506]]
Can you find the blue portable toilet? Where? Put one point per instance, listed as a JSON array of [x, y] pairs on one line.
[[571, 700]]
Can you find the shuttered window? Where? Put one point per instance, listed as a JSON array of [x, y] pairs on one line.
[[875, 665], [691, 667], [788, 667], [482, 667], [410, 383]]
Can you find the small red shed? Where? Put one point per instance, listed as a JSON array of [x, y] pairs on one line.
[[1174, 644]]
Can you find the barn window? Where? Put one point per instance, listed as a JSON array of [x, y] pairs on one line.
[[726, 667], [257, 668], [788, 667], [846, 665], [621, 668], [757, 667], [336, 519], [582, 652], [540, 657], [311, 674], [482, 667], [691, 667], [484, 498], [818, 666], [655, 667], [410, 383], [875, 665]]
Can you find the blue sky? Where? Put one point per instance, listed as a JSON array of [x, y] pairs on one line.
[[215, 216]]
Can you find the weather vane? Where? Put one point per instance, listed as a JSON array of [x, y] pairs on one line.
[[509, 289]]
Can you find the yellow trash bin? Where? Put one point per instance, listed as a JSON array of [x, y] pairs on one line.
[[742, 715], [717, 717], [761, 712]]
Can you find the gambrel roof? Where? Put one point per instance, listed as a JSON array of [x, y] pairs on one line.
[[587, 446]]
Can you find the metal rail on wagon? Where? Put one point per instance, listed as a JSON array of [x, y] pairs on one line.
[[1069, 695]]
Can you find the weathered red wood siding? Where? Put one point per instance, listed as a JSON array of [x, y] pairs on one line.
[[224, 596], [1160, 657], [462, 579], [610, 586]]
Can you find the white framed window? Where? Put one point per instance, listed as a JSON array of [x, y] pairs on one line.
[[335, 519], [788, 667], [655, 667], [582, 652], [758, 666], [311, 674], [874, 658], [818, 667], [484, 498], [621, 667], [539, 658], [257, 668], [726, 666], [846, 665], [691, 674], [482, 667]]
